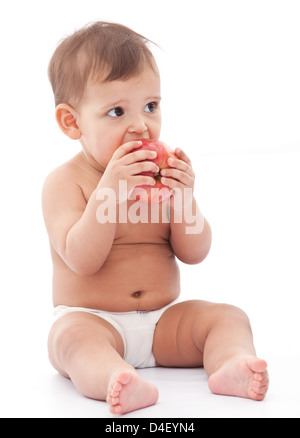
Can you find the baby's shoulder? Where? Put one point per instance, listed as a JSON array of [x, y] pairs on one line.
[[61, 191], [65, 173], [61, 182]]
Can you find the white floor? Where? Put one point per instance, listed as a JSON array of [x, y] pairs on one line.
[[27, 392], [252, 203]]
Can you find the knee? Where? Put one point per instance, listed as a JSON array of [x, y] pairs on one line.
[[61, 333], [59, 336], [217, 310], [229, 313], [64, 337]]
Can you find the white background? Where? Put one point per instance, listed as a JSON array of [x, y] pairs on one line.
[[231, 98]]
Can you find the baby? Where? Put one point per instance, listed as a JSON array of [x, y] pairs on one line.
[[116, 282]]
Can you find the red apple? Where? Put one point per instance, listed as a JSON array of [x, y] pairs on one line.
[[158, 192]]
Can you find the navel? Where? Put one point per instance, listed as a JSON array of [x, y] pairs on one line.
[[137, 294]]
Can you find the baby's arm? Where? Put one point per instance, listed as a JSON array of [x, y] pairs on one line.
[[76, 235], [72, 226], [190, 240], [193, 246]]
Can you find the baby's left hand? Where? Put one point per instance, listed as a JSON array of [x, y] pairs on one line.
[[180, 175]]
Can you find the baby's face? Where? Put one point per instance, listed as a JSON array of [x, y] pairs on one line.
[[113, 113]]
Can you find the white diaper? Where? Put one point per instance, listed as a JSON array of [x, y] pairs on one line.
[[136, 329]]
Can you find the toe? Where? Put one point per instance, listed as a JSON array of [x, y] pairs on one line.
[[256, 385], [113, 391], [116, 409], [124, 378], [258, 376], [117, 387], [261, 380], [114, 401], [258, 366], [255, 396]]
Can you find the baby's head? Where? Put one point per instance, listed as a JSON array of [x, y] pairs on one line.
[[107, 89], [100, 52]]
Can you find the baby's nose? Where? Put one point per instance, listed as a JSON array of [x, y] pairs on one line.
[[137, 125]]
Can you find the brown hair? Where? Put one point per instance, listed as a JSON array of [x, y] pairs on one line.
[[100, 51]]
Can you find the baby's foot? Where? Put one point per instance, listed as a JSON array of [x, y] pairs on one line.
[[128, 391], [242, 377]]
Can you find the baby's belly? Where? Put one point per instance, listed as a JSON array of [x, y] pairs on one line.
[[138, 276]]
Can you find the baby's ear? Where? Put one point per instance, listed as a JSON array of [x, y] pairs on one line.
[[66, 119]]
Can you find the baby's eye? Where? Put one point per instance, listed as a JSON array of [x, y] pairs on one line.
[[116, 112], [150, 107]]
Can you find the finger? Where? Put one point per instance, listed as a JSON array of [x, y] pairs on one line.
[[181, 165], [177, 175], [143, 166], [126, 148], [172, 183], [141, 180], [182, 155], [139, 155]]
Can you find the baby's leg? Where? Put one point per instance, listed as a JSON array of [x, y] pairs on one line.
[[89, 351], [230, 358], [218, 337]]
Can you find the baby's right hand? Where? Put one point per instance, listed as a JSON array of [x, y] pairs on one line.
[[125, 166]]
